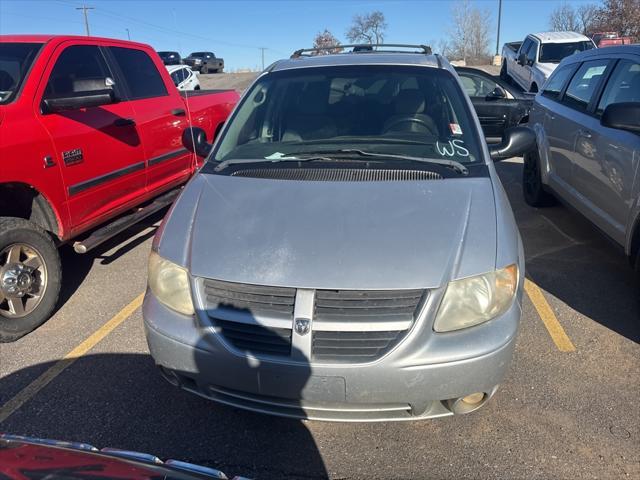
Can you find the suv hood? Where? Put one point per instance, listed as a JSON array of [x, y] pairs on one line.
[[332, 235]]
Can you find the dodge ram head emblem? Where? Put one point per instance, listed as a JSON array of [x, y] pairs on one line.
[[302, 326]]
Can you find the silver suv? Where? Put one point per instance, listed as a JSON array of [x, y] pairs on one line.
[[587, 124], [347, 252]]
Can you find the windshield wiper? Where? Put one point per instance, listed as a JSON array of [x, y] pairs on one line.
[[338, 155], [457, 166]]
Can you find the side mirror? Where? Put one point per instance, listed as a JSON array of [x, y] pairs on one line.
[[496, 93], [522, 59], [623, 116], [516, 141], [194, 139], [75, 101]]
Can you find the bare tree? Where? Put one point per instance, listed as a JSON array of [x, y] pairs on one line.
[[369, 28], [469, 32], [564, 19], [587, 14], [326, 39], [620, 16]]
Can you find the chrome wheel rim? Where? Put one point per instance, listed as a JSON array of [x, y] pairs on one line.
[[23, 280]]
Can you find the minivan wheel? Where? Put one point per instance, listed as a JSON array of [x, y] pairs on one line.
[[532, 187], [30, 277]]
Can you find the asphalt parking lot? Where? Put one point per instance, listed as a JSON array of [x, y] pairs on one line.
[[568, 408]]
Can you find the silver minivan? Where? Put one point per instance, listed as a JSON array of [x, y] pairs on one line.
[[587, 124], [347, 251]]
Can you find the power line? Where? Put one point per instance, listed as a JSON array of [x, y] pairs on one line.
[[84, 9]]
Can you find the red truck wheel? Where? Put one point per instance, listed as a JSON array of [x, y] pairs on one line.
[[30, 277]]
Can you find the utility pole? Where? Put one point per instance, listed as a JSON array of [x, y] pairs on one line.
[[262, 49], [498, 35], [84, 9], [128, 34]]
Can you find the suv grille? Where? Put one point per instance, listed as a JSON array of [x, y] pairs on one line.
[[338, 174], [393, 310], [353, 347], [233, 308], [349, 326]]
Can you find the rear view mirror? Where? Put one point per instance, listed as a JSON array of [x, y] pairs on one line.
[[623, 116], [78, 100], [522, 59], [194, 139], [516, 141], [87, 93], [496, 93]]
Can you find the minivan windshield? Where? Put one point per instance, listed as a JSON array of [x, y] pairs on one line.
[[555, 52], [15, 61], [381, 109]]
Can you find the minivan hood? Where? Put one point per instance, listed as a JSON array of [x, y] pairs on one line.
[[333, 235]]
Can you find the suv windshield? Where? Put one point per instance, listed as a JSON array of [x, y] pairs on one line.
[[15, 61], [398, 110], [555, 52], [167, 54]]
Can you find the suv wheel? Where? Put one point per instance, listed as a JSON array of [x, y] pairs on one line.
[[532, 187], [30, 275]]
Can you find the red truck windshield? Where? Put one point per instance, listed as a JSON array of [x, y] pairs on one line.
[[15, 61]]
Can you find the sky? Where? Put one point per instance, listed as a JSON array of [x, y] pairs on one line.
[[235, 30]]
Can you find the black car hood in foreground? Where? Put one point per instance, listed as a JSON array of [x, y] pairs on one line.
[[336, 235], [23, 458]]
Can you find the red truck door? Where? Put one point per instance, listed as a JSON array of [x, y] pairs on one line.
[[98, 149], [160, 113]]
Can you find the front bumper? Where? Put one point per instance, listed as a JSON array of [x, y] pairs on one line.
[[417, 380]]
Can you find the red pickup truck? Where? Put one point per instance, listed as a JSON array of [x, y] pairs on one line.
[[90, 142]]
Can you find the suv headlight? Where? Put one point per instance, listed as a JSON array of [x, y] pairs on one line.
[[474, 300], [170, 284]]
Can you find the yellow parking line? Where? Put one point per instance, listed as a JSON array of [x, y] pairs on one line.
[[43, 380], [558, 335]]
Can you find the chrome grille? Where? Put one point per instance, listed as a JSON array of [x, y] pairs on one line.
[[234, 308], [352, 326], [254, 299], [353, 347], [338, 174], [256, 339]]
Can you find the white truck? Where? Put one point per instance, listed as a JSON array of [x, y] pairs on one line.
[[529, 63]]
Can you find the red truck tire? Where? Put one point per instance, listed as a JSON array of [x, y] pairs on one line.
[[30, 277]]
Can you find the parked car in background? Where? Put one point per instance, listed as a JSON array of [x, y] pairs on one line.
[[183, 77], [498, 104], [205, 62], [609, 39], [587, 123], [530, 63], [170, 58], [347, 252], [90, 129]]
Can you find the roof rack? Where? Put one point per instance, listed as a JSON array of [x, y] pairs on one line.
[[365, 48]]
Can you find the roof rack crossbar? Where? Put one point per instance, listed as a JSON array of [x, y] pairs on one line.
[[364, 48]]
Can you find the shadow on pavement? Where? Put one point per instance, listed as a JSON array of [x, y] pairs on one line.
[[121, 401], [76, 267], [569, 258]]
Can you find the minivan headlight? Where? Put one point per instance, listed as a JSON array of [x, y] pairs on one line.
[[170, 284], [474, 300]]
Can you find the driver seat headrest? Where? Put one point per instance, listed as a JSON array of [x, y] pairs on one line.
[[410, 102]]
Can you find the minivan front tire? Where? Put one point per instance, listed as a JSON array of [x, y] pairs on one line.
[[532, 187]]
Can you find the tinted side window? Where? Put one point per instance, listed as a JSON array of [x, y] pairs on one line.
[[140, 72], [531, 52], [175, 77], [623, 85], [79, 68], [558, 80], [477, 85], [584, 83]]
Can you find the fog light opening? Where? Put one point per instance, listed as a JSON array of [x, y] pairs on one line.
[[468, 403]]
